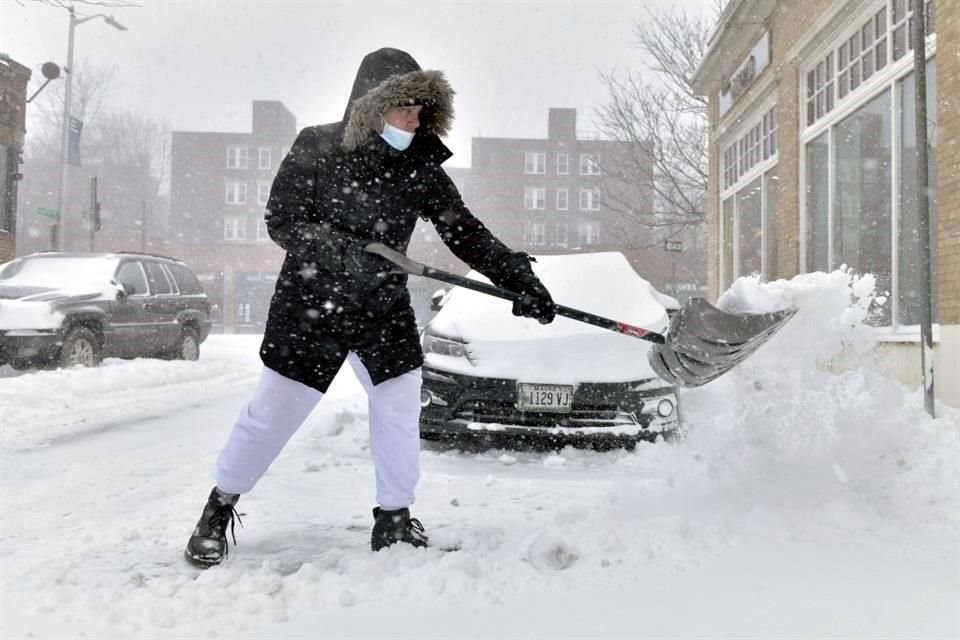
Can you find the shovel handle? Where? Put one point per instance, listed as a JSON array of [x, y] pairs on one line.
[[415, 268]]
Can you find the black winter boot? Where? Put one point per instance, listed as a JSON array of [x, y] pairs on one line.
[[208, 544], [396, 526]]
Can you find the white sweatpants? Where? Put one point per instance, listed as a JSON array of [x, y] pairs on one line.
[[280, 405]]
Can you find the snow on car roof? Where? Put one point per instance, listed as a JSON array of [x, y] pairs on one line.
[[565, 351]]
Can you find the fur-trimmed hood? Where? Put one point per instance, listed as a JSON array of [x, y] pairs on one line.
[[390, 78]]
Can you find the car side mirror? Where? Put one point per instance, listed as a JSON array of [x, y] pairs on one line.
[[124, 290]]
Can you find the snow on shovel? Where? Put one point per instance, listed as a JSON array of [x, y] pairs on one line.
[[701, 343]]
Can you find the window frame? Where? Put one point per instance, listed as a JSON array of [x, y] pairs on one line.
[[535, 163], [888, 78], [242, 159], [532, 196], [566, 164], [239, 192], [238, 224], [269, 155], [589, 164]]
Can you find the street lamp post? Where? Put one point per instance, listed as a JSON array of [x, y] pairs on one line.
[[59, 226]]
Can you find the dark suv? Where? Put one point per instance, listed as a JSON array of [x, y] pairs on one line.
[[76, 308]]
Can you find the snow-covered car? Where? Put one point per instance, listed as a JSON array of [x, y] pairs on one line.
[[493, 376], [76, 308]]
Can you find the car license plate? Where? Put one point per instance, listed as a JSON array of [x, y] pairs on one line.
[[556, 398]]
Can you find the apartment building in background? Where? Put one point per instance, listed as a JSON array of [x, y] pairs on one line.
[[813, 158], [219, 185], [554, 195]]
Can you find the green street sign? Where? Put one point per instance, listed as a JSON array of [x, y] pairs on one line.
[[46, 211]]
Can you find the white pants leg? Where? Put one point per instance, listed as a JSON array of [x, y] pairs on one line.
[[278, 407], [394, 408]]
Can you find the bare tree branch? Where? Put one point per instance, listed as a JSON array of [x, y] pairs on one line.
[[663, 124], [66, 4]]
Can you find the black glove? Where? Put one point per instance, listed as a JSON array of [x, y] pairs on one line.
[[516, 275], [359, 262]]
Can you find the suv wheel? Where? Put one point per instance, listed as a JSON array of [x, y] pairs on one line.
[[80, 348], [188, 346]]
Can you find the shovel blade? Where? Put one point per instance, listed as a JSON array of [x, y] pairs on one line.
[[704, 342]]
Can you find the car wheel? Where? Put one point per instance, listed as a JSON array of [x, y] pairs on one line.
[[188, 346], [22, 364], [80, 348]]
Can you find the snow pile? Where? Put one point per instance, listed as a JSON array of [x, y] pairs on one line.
[[783, 426]]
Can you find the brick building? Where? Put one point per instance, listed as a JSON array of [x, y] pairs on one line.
[[813, 152], [553, 195], [13, 108], [219, 185]]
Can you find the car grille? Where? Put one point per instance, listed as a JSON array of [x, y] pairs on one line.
[[594, 415]]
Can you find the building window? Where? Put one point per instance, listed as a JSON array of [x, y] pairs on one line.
[[264, 158], [757, 145], [534, 162], [238, 157], [820, 97], [883, 37], [901, 25], [262, 234], [726, 229], [236, 192], [562, 234], [263, 192], [750, 227], [589, 233], [535, 234], [860, 196], [563, 199], [589, 165], [563, 164], [534, 198], [589, 200], [771, 225], [908, 238], [234, 228]]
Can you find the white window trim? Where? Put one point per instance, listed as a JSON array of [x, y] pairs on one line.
[[593, 201], [242, 155], [868, 89], [889, 78], [240, 192], [539, 163], [566, 168], [534, 192], [589, 161], [237, 225], [263, 235], [263, 189], [733, 136], [269, 154], [566, 204]]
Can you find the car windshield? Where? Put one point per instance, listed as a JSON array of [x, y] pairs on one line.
[[58, 272]]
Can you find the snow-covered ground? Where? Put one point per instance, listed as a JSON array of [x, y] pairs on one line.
[[802, 503]]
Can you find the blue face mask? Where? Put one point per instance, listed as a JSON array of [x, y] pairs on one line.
[[396, 138]]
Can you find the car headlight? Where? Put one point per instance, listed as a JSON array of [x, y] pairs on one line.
[[433, 343], [665, 408]]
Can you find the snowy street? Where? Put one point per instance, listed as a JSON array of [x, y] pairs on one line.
[[801, 504]]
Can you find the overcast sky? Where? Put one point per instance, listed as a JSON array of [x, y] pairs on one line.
[[198, 64]]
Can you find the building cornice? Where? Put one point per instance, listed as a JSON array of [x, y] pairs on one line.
[[740, 25]]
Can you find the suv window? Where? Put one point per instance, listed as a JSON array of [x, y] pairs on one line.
[[130, 275], [159, 285], [186, 281]]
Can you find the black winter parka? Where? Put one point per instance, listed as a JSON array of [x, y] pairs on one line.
[[342, 185]]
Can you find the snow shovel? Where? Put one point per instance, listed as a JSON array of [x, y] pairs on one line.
[[701, 343]]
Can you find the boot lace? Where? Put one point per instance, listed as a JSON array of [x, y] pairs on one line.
[[223, 516]]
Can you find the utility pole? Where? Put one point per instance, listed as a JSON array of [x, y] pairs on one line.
[[923, 206], [58, 234]]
